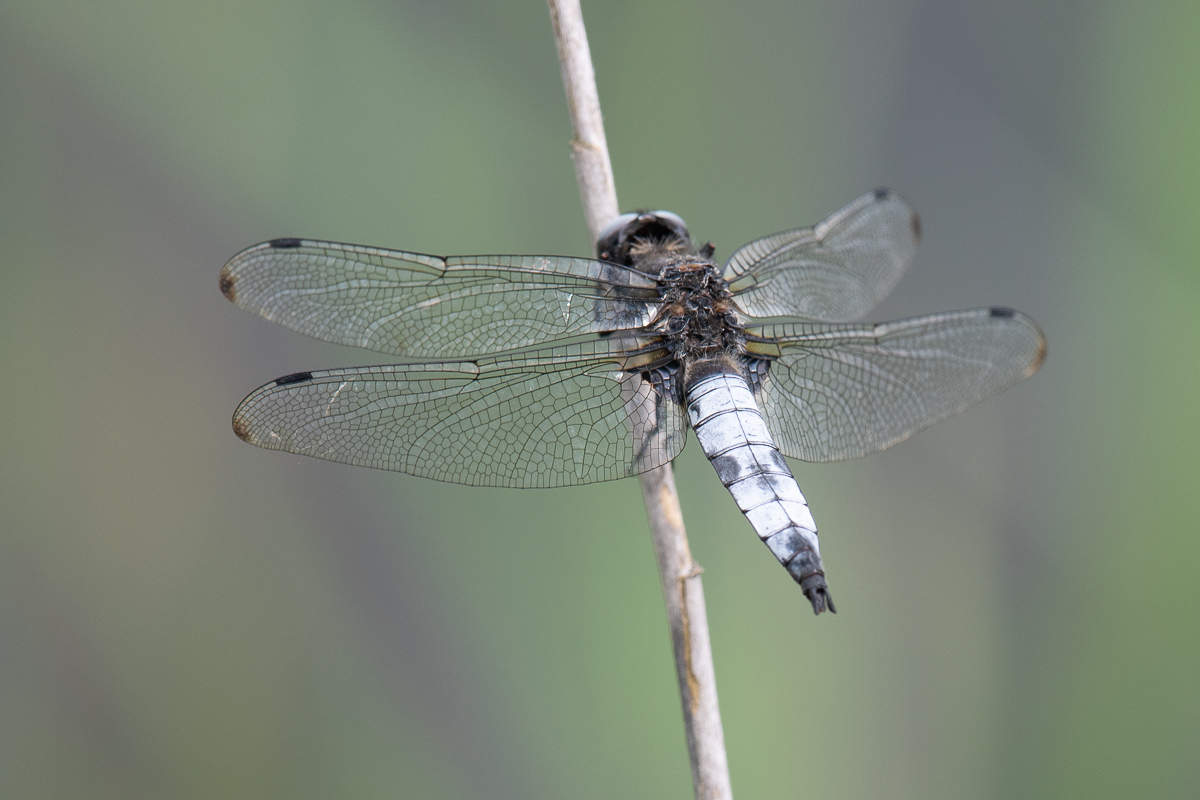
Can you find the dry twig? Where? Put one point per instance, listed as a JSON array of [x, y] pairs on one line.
[[682, 588]]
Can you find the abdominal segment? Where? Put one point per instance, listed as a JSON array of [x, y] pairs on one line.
[[735, 439]]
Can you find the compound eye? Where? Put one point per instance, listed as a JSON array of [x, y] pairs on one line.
[[672, 221], [611, 236], [614, 241]]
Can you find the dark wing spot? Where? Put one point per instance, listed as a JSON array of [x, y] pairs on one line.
[[226, 282], [295, 377], [284, 244], [916, 226], [241, 429], [882, 193], [1002, 312]]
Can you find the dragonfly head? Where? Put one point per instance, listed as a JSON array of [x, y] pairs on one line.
[[645, 227]]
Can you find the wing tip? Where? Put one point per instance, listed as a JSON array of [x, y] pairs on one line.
[[914, 220], [1039, 355], [241, 428], [228, 278], [241, 425], [228, 283]]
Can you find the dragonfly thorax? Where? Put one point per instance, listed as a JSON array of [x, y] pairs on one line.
[[697, 317]]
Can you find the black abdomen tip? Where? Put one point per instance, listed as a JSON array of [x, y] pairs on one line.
[[817, 592], [295, 377], [286, 243]]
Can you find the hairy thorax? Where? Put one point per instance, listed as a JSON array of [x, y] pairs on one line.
[[697, 316]]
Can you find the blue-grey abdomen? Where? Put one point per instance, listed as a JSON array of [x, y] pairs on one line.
[[736, 440]]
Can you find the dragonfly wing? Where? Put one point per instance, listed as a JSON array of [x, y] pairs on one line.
[[420, 306], [839, 392], [834, 272], [557, 417]]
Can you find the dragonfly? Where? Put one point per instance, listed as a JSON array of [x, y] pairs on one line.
[[541, 371]]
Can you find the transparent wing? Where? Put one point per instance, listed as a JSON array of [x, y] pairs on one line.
[[558, 417], [420, 306], [839, 392], [834, 272]]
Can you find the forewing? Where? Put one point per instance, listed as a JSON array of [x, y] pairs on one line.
[[839, 392], [834, 272], [420, 306], [560, 417]]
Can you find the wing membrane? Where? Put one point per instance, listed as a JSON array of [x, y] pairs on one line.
[[834, 272], [840, 392], [420, 306], [558, 417]]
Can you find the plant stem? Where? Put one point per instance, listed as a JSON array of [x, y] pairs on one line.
[[683, 591], [589, 149]]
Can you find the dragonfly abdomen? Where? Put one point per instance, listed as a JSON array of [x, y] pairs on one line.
[[735, 439]]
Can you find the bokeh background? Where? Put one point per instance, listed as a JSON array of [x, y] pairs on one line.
[[185, 616]]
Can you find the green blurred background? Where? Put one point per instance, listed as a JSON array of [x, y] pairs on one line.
[[184, 616]]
